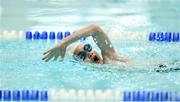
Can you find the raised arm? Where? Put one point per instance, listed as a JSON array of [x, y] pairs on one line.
[[100, 38]]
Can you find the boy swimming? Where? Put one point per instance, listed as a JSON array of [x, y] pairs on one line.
[[85, 52]]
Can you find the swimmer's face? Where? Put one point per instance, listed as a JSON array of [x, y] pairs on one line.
[[91, 56]]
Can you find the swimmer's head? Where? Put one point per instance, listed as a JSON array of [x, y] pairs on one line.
[[87, 54]]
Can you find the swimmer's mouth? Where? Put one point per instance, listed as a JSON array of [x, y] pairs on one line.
[[96, 59]]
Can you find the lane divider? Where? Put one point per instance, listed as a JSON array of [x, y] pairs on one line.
[[46, 35], [12, 35], [36, 35], [164, 36], [87, 95], [23, 95], [52, 35], [151, 96]]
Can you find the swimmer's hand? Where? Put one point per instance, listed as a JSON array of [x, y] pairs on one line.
[[55, 52]]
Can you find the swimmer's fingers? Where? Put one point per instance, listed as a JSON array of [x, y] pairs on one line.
[[54, 53], [47, 56], [56, 56], [60, 54], [50, 57], [50, 50], [44, 57], [47, 52]]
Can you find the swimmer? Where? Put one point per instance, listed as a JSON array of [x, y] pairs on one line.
[[85, 52]]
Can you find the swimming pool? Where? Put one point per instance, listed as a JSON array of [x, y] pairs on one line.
[[21, 66]]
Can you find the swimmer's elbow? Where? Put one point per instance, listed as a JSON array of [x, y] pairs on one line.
[[96, 27]]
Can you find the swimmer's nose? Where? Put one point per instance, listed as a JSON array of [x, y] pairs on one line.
[[90, 55]]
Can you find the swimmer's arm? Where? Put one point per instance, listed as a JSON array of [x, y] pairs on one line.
[[100, 38], [60, 48]]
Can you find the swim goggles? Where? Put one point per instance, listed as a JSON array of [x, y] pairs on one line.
[[82, 55]]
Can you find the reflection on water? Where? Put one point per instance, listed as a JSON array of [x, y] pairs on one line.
[[117, 15]]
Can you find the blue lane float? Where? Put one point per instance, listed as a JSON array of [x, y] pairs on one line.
[[60, 35], [177, 97], [23, 95], [176, 37], [16, 95], [168, 36], [127, 96], [52, 35], [152, 36], [7, 95], [160, 36], [0, 95], [67, 33], [29, 35], [46, 35], [44, 96], [36, 35], [164, 36], [35, 95], [150, 96]]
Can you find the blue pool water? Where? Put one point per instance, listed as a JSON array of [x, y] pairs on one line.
[[21, 66]]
